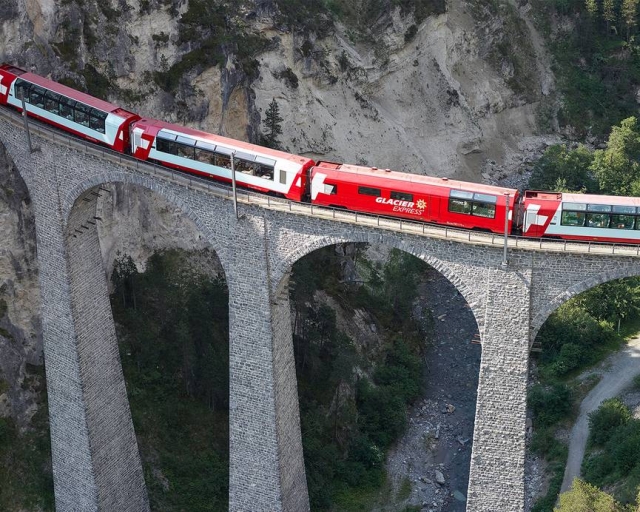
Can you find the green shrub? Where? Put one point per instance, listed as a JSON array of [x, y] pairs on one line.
[[549, 404], [611, 414]]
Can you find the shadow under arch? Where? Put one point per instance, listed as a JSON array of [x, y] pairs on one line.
[[541, 317], [286, 262], [447, 326], [113, 447], [72, 197]]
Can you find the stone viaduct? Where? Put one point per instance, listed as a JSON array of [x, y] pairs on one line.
[[95, 457]]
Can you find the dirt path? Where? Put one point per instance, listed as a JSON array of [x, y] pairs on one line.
[[621, 368]]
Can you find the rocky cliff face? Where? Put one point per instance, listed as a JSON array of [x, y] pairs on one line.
[[441, 97], [20, 330]]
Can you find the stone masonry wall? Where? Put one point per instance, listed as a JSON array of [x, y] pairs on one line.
[[114, 449]]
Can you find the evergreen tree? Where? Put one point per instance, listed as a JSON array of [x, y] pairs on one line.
[[592, 7], [608, 13], [273, 126], [629, 12]]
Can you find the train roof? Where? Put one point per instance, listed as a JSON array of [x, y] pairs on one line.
[[69, 92], [382, 176], [219, 139], [573, 197], [597, 199]]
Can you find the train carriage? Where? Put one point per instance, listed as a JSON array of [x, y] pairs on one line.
[[581, 217], [73, 111], [258, 168], [412, 196]]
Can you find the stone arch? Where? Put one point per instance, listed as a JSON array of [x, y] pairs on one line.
[[541, 317], [373, 237], [98, 353], [72, 196], [413, 247]]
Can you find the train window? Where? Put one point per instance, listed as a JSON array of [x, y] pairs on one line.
[[264, 171], [185, 151], [483, 209], [245, 156], [485, 198], [243, 166], [166, 146], [624, 209], [36, 96], [598, 220], [403, 196], [461, 194], [330, 189], [66, 107], [52, 102], [22, 88], [81, 115], [580, 207], [223, 161], [266, 161], [205, 156], [186, 141], [206, 145], [622, 221], [369, 191], [459, 206], [283, 177], [598, 208], [97, 120], [572, 218]]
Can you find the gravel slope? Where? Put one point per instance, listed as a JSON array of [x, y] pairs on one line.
[[437, 443]]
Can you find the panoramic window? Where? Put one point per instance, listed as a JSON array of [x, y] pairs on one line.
[[572, 218], [598, 220], [166, 146], [622, 221], [479, 205], [484, 210], [459, 206], [52, 102], [403, 196], [369, 191], [205, 156]]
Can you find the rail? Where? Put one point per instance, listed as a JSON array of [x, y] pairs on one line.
[[278, 204]]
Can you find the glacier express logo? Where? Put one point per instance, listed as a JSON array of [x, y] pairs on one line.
[[404, 206]]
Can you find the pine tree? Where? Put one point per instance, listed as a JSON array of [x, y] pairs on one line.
[[629, 13], [273, 126], [592, 8], [608, 13]]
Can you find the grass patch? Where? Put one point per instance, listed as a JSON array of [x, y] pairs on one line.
[[405, 489]]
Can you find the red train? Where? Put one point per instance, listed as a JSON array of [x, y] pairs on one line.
[[365, 189]]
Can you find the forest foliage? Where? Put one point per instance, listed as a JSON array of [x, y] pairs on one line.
[[596, 60], [612, 460], [352, 404], [174, 346], [26, 476]]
